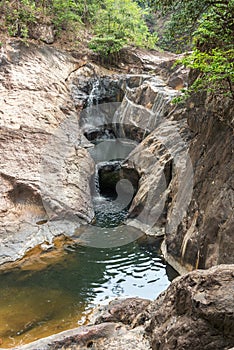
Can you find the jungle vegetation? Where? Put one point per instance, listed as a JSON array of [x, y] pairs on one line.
[[204, 28]]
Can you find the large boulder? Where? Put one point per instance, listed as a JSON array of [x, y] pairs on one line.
[[195, 312]]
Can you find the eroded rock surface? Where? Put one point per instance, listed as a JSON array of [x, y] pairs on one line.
[[45, 167], [105, 336], [205, 236], [185, 191], [44, 171], [195, 312], [185, 163]]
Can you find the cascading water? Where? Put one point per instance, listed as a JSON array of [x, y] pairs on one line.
[[94, 94], [106, 260]]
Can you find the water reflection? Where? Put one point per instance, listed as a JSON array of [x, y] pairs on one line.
[[34, 304]]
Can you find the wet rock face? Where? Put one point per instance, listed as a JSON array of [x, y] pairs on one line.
[[195, 312], [44, 178], [147, 108], [103, 86], [184, 162], [144, 106], [205, 236], [186, 166]]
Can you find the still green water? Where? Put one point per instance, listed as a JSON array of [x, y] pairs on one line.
[[34, 304], [111, 260]]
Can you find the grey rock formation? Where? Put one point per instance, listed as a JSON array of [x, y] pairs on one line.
[[44, 171], [186, 169], [183, 189], [195, 312], [204, 237]]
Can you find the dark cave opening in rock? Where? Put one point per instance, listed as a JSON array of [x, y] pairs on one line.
[[110, 174]]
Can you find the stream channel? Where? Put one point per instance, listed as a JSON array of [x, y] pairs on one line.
[[113, 260]]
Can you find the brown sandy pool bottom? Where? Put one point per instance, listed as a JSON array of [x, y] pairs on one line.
[[48, 295]]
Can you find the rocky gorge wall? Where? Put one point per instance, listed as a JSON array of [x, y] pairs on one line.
[[185, 193], [185, 161], [206, 234], [191, 150], [44, 172]]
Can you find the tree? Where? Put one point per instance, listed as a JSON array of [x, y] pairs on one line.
[[181, 19], [119, 23], [210, 29], [114, 23], [64, 13]]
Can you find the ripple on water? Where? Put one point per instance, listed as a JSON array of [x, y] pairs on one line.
[[35, 304]]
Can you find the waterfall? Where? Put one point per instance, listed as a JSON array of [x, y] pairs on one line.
[[94, 94], [93, 117], [96, 182]]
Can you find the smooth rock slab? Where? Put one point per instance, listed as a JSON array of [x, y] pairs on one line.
[[111, 336], [44, 175]]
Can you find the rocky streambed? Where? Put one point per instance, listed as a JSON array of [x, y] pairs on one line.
[[53, 106]]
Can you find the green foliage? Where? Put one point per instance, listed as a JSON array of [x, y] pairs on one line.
[[107, 45], [214, 53], [216, 70], [182, 20], [89, 9], [19, 15], [22, 15], [216, 28], [146, 4], [216, 73], [65, 13], [115, 23], [119, 23], [210, 30]]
